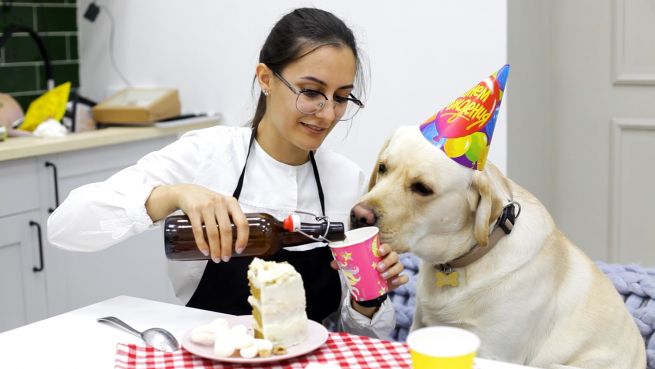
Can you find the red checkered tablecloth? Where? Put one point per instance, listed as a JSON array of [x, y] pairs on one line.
[[346, 350]]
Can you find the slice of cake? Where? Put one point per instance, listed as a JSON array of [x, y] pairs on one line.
[[277, 297]]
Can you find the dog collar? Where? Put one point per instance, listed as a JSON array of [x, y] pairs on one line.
[[503, 226]]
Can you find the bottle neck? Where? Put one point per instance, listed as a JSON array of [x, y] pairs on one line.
[[336, 232]]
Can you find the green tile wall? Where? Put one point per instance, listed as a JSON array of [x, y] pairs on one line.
[[21, 68]]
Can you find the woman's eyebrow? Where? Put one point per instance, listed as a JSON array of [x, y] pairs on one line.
[[316, 80]]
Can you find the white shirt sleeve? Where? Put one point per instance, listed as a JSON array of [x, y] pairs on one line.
[[99, 215], [379, 326]]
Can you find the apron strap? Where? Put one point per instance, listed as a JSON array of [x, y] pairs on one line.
[[318, 181], [237, 190]]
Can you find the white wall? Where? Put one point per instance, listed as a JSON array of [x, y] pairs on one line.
[[421, 56]]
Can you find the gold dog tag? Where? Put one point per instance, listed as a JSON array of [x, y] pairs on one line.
[[447, 279]]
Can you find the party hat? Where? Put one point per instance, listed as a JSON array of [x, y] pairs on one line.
[[464, 128]]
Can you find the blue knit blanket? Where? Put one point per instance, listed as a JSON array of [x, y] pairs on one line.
[[404, 298], [635, 284]]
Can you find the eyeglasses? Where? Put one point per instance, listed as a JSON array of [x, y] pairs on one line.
[[312, 101]]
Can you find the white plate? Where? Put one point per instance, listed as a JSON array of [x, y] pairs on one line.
[[316, 336]]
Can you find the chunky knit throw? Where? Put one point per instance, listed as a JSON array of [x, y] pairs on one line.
[[637, 287], [404, 298], [635, 284]]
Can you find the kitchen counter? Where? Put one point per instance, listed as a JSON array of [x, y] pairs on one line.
[[24, 147]]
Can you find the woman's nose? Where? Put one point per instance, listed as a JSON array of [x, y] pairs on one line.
[[327, 112]]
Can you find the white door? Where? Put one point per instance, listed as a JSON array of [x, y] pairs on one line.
[[603, 126]]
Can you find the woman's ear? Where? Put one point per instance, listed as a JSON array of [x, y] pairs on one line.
[[489, 206], [264, 75]]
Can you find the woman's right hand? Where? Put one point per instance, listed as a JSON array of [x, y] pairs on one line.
[[204, 206]]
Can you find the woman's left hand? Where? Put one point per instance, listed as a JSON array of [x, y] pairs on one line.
[[390, 267]]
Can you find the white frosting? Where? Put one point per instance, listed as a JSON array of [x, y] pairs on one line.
[[282, 301], [263, 273]]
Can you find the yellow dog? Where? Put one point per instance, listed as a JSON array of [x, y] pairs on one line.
[[531, 296]]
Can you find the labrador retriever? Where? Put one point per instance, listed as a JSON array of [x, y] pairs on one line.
[[493, 262]]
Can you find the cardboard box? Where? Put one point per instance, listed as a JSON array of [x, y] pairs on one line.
[[138, 105]]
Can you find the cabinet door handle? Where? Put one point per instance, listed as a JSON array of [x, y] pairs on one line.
[[38, 230], [54, 173]]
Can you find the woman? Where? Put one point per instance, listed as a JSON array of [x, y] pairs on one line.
[[306, 72]]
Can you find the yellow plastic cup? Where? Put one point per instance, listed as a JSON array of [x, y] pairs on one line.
[[442, 348]]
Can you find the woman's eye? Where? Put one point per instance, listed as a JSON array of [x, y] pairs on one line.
[[312, 94], [341, 99], [421, 189], [382, 168]]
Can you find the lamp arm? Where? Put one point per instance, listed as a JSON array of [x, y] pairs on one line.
[[6, 35]]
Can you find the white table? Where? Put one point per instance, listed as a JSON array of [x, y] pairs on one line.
[[75, 340]]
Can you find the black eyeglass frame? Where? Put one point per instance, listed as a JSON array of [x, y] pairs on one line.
[[298, 92]]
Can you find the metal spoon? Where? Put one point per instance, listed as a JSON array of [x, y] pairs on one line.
[[158, 338]]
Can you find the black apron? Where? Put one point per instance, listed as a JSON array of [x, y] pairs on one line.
[[224, 286]]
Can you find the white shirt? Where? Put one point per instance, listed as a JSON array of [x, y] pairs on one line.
[[99, 215]]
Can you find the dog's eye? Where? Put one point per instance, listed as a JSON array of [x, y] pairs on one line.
[[421, 189], [382, 168]]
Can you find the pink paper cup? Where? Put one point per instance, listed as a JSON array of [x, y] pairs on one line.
[[358, 256]]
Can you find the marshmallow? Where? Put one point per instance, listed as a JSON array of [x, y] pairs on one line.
[[248, 352], [203, 337], [226, 340], [239, 329], [220, 324], [264, 347], [242, 340], [223, 346]]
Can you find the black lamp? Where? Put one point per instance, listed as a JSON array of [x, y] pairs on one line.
[[90, 14], [9, 31]]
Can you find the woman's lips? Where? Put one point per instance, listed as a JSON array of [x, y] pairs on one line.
[[312, 128]]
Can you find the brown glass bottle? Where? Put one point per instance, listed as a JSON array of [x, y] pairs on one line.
[[267, 236]]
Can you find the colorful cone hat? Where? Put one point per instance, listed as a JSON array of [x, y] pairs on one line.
[[463, 129]]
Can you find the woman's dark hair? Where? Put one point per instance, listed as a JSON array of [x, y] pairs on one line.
[[299, 33]]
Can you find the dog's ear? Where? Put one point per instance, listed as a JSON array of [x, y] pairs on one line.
[[374, 172], [489, 205]]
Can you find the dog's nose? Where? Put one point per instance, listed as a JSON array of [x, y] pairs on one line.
[[362, 216]]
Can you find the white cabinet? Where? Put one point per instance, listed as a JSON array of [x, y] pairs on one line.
[[22, 277], [135, 267], [18, 186], [40, 280]]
